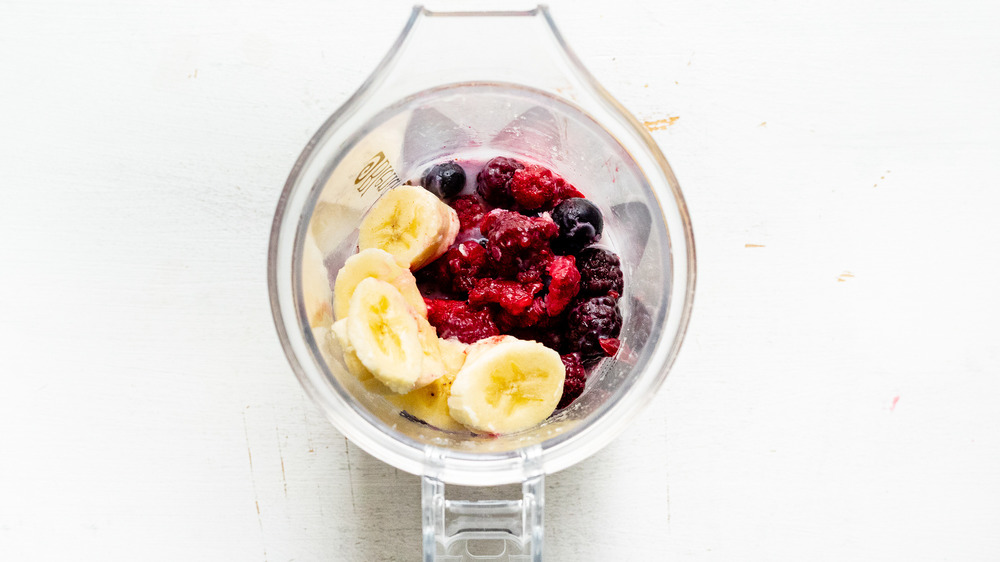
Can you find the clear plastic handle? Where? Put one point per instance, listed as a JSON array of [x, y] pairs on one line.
[[494, 530]]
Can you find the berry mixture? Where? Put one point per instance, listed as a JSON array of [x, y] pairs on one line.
[[524, 264], [468, 301]]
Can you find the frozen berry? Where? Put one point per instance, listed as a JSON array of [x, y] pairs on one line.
[[576, 379], [610, 346], [580, 225], [564, 284], [493, 181], [534, 187], [466, 262], [470, 211], [600, 272], [444, 180], [590, 321], [518, 245], [512, 296], [564, 192], [456, 319], [528, 318]]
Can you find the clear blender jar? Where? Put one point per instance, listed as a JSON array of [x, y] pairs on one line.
[[530, 99]]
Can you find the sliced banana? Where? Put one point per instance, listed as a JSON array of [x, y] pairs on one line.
[[430, 403], [433, 366], [453, 353], [383, 330], [410, 223], [507, 386], [378, 264], [354, 365], [475, 350]]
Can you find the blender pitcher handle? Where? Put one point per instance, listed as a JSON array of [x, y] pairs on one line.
[[510, 530]]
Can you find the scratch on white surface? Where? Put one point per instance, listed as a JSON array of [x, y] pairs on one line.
[[350, 476], [281, 457], [668, 506], [845, 276], [253, 484], [305, 421]]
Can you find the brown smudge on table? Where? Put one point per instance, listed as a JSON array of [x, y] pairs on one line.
[[753, 245], [660, 124], [845, 276], [763, 124]]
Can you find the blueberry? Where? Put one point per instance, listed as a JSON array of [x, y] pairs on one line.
[[580, 225], [444, 180]]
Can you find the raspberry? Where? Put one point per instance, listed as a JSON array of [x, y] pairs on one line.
[[493, 181], [470, 211], [564, 285], [600, 272], [529, 317], [534, 187], [576, 379], [510, 295], [456, 319], [610, 346], [518, 245], [590, 321], [566, 191], [465, 263]]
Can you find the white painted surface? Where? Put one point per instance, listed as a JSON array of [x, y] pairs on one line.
[[836, 398]]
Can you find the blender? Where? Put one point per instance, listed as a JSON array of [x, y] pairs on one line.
[[443, 92]]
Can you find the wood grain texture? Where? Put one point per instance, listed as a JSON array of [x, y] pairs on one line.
[[835, 398]]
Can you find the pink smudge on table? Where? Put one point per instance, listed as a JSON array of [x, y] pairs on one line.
[[894, 400]]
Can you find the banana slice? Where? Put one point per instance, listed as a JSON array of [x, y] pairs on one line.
[[475, 350], [354, 366], [433, 366], [410, 223], [453, 354], [430, 403], [380, 265], [506, 386], [385, 336]]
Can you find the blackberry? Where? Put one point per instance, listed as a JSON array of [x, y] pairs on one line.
[[576, 379], [600, 273], [590, 321]]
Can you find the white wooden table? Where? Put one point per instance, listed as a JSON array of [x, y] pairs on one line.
[[837, 395]]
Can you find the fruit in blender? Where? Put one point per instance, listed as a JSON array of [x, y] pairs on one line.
[[410, 223]]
